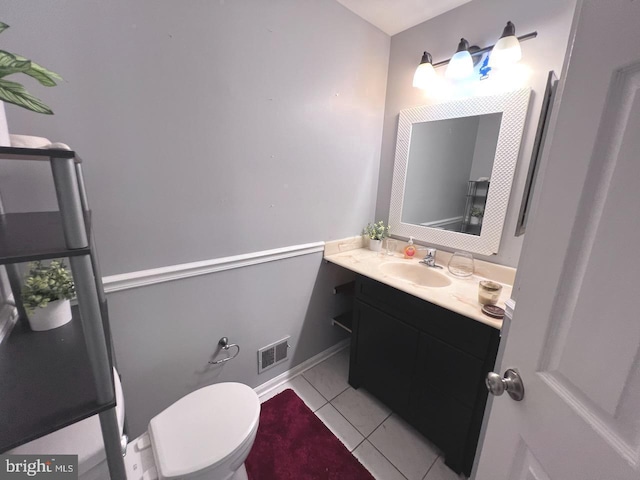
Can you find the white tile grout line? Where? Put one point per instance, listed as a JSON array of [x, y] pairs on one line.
[[434, 462], [366, 438], [336, 396], [347, 420], [437, 451], [325, 398], [383, 456], [374, 446]]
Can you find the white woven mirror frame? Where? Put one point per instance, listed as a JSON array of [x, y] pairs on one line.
[[513, 106]]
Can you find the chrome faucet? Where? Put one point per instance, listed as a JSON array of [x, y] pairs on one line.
[[430, 259]]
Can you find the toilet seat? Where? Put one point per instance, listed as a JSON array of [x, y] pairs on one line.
[[202, 429]]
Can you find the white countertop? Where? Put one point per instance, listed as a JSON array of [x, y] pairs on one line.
[[460, 297]]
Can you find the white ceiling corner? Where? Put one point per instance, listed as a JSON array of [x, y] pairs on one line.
[[394, 16]]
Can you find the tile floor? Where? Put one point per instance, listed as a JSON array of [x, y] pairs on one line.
[[387, 446]]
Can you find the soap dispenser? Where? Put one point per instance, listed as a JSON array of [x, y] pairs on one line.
[[410, 249]]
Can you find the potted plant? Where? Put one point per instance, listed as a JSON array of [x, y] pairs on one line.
[[14, 92], [476, 214], [376, 232], [46, 294]]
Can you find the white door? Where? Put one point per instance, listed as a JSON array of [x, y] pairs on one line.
[[575, 334]]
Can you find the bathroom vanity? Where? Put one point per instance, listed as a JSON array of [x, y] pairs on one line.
[[426, 363], [424, 351]]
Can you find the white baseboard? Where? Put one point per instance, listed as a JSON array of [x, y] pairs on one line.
[[300, 368]]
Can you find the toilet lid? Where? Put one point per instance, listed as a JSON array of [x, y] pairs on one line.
[[203, 428]]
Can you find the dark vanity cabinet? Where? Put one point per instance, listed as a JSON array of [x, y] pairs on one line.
[[427, 363]]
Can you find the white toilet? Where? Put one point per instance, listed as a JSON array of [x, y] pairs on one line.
[[207, 434]]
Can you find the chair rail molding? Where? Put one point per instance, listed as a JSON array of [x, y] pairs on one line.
[[142, 278]]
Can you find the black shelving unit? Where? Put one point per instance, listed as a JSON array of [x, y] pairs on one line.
[[55, 378], [477, 192]]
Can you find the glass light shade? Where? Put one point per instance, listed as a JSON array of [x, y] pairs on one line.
[[460, 66], [424, 76], [507, 51]]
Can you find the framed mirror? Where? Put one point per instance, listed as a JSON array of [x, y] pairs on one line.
[[454, 168]]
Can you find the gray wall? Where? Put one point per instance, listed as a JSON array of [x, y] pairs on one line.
[[208, 129], [485, 148], [164, 335], [439, 164], [481, 22]]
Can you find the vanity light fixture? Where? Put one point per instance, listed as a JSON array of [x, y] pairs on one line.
[[425, 73], [507, 50], [461, 64]]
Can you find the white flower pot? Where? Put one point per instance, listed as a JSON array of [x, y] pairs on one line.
[[375, 245], [54, 315], [475, 221], [4, 129]]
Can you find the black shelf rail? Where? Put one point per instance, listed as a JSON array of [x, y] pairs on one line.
[[345, 321], [46, 384], [36, 154], [25, 237]]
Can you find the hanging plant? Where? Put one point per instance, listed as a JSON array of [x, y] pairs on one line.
[[14, 92]]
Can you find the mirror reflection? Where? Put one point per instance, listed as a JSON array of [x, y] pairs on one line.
[[448, 170]]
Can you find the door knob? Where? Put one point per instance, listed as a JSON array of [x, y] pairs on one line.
[[511, 383]]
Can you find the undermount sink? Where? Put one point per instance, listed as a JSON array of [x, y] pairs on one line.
[[415, 273]]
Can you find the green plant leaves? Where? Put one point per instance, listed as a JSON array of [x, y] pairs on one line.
[[15, 93], [477, 212], [46, 283], [10, 64], [377, 231], [41, 74]]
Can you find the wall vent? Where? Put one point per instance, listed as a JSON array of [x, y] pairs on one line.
[[273, 354]]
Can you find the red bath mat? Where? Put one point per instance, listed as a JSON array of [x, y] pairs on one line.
[[293, 444]]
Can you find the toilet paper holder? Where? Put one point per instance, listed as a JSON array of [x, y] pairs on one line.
[[224, 343]]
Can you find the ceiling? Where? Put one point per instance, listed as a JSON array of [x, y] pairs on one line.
[[394, 16]]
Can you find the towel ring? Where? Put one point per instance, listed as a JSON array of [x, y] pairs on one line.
[[224, 343]]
